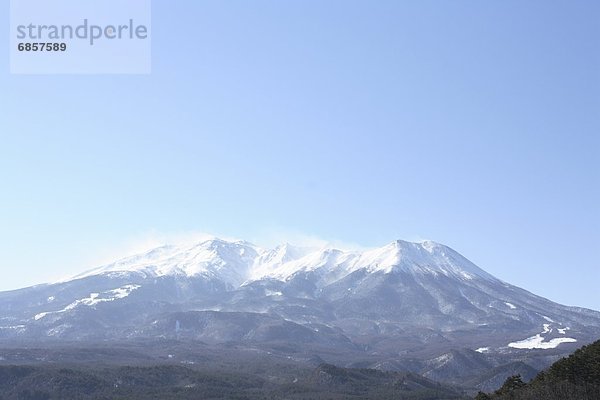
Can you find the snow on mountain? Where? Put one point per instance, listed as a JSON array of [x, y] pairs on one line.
[[279, 262], [239, 262], [397, 305], [404, 304], [425, 258], [228, 261], [538, 342], [94, 299]]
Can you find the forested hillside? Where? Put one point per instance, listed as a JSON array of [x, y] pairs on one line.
[[179, 382], [576, 377]]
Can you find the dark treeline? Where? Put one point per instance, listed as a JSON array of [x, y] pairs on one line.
[[182, 383]]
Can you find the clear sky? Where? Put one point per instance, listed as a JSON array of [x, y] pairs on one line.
[[474, 124]]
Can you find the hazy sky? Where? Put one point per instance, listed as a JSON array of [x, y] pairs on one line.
[[474, 124]]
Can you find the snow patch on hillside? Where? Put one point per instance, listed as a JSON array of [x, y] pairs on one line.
[[94, 299], [14, 327], [538, 342]]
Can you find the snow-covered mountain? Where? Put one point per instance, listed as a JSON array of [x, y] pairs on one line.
[[240, 262], [404, 305]]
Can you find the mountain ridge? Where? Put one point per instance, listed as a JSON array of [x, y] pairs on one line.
[[253, 263]]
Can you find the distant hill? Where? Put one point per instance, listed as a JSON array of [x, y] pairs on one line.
[[576, 377]]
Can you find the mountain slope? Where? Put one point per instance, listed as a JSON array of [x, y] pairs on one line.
[[402, 306]]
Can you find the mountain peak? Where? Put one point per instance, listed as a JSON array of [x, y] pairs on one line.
[[239, 261]]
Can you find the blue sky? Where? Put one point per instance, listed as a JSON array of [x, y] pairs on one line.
[[474, 124]]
